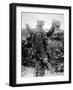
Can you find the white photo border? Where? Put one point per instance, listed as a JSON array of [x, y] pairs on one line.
[[19, 79]]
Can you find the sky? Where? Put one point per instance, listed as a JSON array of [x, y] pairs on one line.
[[31, 19]]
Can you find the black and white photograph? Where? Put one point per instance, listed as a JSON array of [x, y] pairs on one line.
[[40, 44], [42, 39]]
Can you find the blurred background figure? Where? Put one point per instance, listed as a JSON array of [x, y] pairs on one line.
[[56, 24]]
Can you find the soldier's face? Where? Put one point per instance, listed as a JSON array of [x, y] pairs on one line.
[[28, 36]]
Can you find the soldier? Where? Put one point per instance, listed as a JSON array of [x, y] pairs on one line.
[[38, 36]]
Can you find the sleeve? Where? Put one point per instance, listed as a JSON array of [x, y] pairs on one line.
[[49, 33]]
